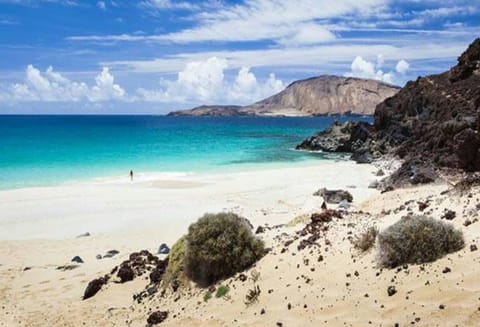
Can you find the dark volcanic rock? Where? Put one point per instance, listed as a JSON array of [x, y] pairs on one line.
[[391, 290], [340, 137], [334, 196], [431, 123], [325, 216], [413, 172], [436, 118], [140, 263], [94, 286], [157, 317], [77, 259], [157, 273], [111, 254], [163, 249], [125, 273]]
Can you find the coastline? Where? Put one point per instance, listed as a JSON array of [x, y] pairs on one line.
[[103, 206]]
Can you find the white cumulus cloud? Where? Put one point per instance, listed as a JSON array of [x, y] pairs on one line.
[[402, 67], [367, 69], [52, 86], [205, 82]]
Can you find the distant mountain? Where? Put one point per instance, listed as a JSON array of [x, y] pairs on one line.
[[321, 95], [208, 111]]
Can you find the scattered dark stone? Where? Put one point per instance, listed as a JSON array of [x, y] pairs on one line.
[[157, 317], [449, 215], [473, 247], [446, 270], [334, 196], [262, 312], [157, 273], [94, 286], [152, 290], [441, 306], [27, 268], [279, 324], [111, 254], [125, 273], [325, 216], [422, 205], [67, 267], [380, 172], [324, 205], [391, 290], [260, 230], [77, 259], [163, 249], [87, 234], [467, 223], [289, 306], [242, 277], [98, 256]]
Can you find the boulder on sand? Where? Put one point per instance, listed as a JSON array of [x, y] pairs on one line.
[[334, 196]]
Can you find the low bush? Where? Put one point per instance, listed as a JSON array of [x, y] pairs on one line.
[[207, 296], [366, 240], [417, 239], [221, 291], [218, 246], [252, 295], [174, 273]]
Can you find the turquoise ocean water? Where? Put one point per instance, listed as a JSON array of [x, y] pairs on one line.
[[46, 150]]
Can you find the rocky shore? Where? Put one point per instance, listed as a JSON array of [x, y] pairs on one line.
[[431, 124]]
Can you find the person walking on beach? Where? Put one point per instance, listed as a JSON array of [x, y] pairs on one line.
[[131, 175]]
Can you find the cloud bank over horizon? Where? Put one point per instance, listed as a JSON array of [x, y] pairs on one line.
[[187, 53]]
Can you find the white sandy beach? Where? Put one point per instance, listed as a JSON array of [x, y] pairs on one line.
[[39, 226], [165, 204]]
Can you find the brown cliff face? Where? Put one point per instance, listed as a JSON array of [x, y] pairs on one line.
[[326, 95], [436, 119], [322, 95]]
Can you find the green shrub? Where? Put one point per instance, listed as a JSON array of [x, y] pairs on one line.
[[218, 246], [417, 239], [365, 240], [175, 267], [207, 296], [222, 291]]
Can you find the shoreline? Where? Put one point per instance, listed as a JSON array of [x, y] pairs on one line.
[[116, 176], [117, 205]]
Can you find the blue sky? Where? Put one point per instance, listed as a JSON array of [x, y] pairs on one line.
[[153, 56]]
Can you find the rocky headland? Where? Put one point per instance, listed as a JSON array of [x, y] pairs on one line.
[[323, 95], [431, 124]]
